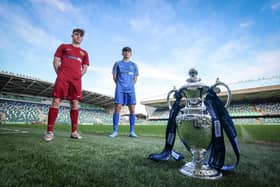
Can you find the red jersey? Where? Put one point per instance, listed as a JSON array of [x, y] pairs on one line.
[[72, 59]]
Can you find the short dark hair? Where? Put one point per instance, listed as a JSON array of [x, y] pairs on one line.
[[81, 31], [126, 49]]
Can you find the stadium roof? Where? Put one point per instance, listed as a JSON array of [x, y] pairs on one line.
[[28, 86], [265, 93]]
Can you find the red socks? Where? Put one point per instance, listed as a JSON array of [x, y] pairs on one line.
[[52, 118], [74, 114]]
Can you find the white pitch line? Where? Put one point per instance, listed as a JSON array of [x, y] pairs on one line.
[[12, 131], [21, 132]]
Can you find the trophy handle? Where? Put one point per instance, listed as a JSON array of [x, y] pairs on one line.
[[229, 94], [168, 97]]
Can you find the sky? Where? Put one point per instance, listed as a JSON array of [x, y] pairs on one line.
[[235, 40]]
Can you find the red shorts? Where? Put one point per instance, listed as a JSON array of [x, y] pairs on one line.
[[70, 89]]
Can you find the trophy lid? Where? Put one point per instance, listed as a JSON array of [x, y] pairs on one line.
[[194, 88], [193, 81], [193, 76]]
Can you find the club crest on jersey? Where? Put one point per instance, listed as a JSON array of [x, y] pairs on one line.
[[82, 53]]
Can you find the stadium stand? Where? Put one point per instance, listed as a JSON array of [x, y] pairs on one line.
[[24, 99], [35, 113], [254, 112], [259, 105]]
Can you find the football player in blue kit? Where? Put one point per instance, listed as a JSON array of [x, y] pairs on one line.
[[125, 74]]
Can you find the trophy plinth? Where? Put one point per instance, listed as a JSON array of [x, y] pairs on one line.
[[203, 172]]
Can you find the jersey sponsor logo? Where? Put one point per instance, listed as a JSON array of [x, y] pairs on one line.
[[82, 53], [127, 73], [74, 58]]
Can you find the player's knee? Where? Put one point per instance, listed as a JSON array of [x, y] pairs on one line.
[[56, 103], [131, 109], [118, 108], [74, 105]]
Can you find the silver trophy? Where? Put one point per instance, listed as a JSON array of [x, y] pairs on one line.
[[194, 126]]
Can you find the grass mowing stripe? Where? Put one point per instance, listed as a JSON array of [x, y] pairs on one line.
[[245, 135]]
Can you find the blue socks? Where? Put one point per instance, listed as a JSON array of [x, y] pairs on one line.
[[132, 122], [116, 118]]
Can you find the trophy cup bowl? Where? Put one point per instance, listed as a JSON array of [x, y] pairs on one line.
[[195, 131]]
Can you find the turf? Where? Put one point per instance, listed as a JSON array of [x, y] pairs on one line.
[[97, 160]]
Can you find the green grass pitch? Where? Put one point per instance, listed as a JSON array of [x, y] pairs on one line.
[[97, 160]]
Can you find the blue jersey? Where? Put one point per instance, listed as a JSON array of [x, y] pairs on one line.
[[125, 73]]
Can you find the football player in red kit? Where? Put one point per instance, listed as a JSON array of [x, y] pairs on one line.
[[70, 64]]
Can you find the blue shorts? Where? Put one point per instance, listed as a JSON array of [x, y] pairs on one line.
[[125, 98]]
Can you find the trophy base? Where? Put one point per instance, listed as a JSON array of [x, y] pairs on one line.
[[202, 173]]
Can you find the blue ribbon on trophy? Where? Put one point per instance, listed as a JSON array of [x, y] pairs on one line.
[[200, 125], [220, 116]]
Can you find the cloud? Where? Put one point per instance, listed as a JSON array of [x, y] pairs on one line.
[[232, 49], [121, 39], [158, 72], [140, 24], [103, 69], [63, 6], [32, 34], [275, 6], [269, 61], [21, 27], [60, 17], [246, 24], [99, 79], [261, 64], [190, 56]]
